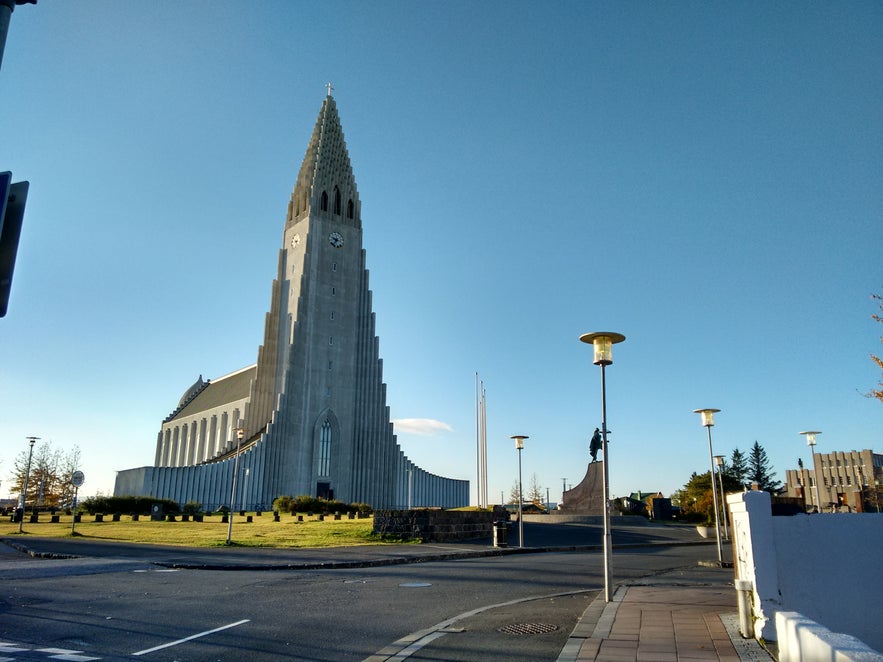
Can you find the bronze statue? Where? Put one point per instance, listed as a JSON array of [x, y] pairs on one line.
[[595, 445]]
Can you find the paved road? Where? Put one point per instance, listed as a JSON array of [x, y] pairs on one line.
[[118, 601]]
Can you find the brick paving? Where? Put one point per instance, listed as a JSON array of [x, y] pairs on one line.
[[659, 624]]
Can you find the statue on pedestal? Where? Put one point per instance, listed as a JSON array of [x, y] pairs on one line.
[[595, 445]]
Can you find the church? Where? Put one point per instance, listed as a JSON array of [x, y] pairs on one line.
[[310, 415]]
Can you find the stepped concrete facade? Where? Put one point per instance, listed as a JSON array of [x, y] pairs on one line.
[[313, 407]]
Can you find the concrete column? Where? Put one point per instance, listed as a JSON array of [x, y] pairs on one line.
[[212, 445], [200, 448], [176, 441]]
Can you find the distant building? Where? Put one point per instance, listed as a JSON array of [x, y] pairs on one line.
[[313, 406], [651, 504], [850, 481]]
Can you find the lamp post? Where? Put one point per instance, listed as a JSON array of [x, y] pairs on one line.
[[240, 433], [519, 444], [811, 442], [24, 489], [719, 461], [708, 422], [602, 342]]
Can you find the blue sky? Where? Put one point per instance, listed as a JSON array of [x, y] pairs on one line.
[[704, 178]]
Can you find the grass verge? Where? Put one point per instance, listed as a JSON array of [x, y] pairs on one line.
[[212, 532]]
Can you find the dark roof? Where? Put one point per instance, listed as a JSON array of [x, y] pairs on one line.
[[229, 388], [192, 392]]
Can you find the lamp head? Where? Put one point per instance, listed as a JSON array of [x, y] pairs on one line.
[[603, 342], [240, 433], [707, 416], [810, 437], [519, 440]]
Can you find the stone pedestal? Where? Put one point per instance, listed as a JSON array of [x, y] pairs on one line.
[[587, 498]]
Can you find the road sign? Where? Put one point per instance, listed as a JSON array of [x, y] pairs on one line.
[[5, 184], [78, 478], [12, 209]]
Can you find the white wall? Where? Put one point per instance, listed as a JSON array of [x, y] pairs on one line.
[[826, 567]]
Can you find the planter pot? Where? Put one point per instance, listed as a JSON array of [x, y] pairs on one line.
[[706, 531]]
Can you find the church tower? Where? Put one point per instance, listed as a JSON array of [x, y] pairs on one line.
[[314, 406], [318, 370]]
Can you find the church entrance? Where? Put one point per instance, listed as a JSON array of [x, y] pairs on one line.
[[324, 491]]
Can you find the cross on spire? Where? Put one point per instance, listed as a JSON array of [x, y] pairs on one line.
[[329, 87]]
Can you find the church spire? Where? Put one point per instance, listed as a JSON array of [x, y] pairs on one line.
[[325, 183]]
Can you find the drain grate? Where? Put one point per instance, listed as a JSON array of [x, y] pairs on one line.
[[528, 628]]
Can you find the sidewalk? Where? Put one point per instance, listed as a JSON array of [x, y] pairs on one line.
[[688, 615]]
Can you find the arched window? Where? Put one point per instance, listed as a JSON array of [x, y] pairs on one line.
[[337, 201], [323, 204], [349, 208], [325, 449]]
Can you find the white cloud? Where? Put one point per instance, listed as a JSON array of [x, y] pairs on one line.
[[421, 426]]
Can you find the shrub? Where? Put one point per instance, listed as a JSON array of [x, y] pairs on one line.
[[283, 504], [126, 504], [308, 504], [192, 507]]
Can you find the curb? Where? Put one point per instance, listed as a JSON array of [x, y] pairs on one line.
[[400, 560], [37, 555]]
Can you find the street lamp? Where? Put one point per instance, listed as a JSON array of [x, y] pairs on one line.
[[602, 342], [708, 421], [719, 461], [519, 444], [24, 490], [240, 433], [811, 442]]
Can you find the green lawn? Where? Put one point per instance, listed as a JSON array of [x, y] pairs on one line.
[[212, 532]]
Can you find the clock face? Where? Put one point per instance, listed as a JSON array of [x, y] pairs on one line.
[[295, 240], [336, 239]]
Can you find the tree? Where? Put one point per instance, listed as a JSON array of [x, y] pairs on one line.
[[70, 463], [877, 392], [760, 470], [535, 492], [49, 481], [695, 498], [515, 494], [738, 469]]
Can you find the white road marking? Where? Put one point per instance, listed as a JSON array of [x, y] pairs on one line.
[[191, 637], [65, 654]]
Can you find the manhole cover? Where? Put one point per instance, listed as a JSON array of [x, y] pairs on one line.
[[528, 628]]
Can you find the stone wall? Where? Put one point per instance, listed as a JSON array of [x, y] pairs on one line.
[[430, 525]]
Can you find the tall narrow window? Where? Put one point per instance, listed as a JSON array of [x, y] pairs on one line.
[[337, 201], [323, 205], [349, 208], [325, 449]]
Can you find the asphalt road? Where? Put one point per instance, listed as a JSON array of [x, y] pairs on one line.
[[125, 601]]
